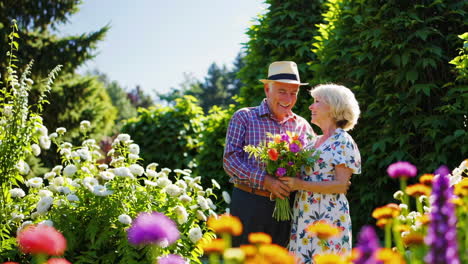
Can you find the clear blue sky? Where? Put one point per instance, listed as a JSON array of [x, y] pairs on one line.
[[153, 42]]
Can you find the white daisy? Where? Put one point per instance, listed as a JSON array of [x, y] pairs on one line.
[[17, 192], [215, 184], [22, 167], [173, 190], [44, 142], [44, 204], [85, 125], [69, 170], [100, 190], [185, 198], [163, 182], [123, 172], [136, 169], [90, 182], [123, 137], [226, 197], [181, 213], [44, 193], [152, 166], [57, 169], [195, 234], [73, 198], [201, 201], [106, 175], [200, 215], [134, 149], [125, 219], [36, 150], [35, 182]]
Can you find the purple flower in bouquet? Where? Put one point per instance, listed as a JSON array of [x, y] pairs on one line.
[[285, 137], [402, 169], [290, 163], [294, 148], [171, 259], [153, 228], [442, 234], [280, 172], [367, 245]]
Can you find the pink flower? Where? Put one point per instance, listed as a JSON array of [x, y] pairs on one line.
[[41, 239], [58, 261], [402, 169]]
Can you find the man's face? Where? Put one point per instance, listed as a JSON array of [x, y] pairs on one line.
[[281, 98]]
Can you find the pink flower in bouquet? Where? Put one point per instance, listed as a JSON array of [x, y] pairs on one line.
[[41, 239], [10, 262], [280, 172], [58, 261]]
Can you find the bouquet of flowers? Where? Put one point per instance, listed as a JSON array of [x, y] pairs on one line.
[[284, 156]]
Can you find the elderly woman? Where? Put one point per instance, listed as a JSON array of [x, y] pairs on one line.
[[321, 190]]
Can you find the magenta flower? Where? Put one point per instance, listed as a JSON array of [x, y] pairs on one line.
[[442, 233], [290, 163], [442, 170], [402, 169], [280, 172], [294, 148], [285, 137], [171, 259], [153, 228]]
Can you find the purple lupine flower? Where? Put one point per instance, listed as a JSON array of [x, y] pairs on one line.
[[171, 259], [367, 245], [442, 170], [153, 228], [294, 148], [442, 233], [402, 169], [290, 163], [280, 172], [285, 137]]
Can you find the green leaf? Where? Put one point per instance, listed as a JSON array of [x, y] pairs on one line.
[[412, 75]]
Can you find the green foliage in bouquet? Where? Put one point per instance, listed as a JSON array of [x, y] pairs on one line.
[[284, 155], [93, 204], [21, 131]]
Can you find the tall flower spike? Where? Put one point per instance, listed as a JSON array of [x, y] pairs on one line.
[[367, 245], [442, 233]]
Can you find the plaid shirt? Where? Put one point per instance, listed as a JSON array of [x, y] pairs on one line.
[[248, 126]]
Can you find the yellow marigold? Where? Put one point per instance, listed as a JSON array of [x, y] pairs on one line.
[[322, 230], [329, 259], [226, 224], [388, 256], [390, 210], [214, 246], [249, 250], [413, 239], [277, 138], [259, 238], [275, 254], [461, 188], [457, 201], [424, 219], [383, 222], [355, 255], [402, 228], [418, 189], [426, 179]]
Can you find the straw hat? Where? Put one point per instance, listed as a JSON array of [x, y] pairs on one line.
[[283, 71]]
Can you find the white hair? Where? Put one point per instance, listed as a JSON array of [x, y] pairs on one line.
[[344, 107]]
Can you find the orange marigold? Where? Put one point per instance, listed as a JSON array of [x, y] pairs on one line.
[[413, 238], [424, 219], [381, 223], [390, 210], [213, 246], [259, 238], [275, 254], [402, 228], [388, 256], [249, 250], [226, 224], [426, 179], [418, 189], [322, 230]]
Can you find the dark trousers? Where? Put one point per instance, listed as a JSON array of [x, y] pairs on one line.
[[256, 212]]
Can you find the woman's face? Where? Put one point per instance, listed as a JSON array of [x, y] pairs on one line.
[[320, 112]]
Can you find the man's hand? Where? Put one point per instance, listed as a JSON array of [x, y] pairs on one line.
[[276, 187]]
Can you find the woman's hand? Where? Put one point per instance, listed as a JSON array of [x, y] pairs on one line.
[[292, 182]]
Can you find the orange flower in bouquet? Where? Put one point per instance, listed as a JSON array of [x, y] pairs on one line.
[[283, 155]]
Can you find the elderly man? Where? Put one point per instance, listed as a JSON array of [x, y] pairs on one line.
[[248, 126]]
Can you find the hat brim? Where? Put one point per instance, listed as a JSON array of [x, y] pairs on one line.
[[282, 81]]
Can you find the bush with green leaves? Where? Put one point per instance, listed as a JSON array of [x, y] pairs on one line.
[[92, 204], [169, 135]]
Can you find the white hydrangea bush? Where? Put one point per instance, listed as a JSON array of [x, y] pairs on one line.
[[93, 203]]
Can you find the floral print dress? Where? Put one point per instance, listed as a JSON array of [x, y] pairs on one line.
[[310, 207]]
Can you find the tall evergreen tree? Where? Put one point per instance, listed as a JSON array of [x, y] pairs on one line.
[[285, 32], [37, 21]]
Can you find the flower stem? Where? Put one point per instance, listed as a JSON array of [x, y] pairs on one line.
[[388, 235], [405, 195]]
